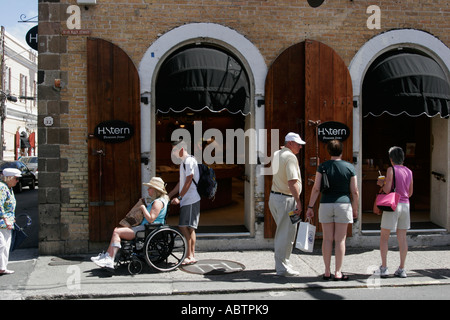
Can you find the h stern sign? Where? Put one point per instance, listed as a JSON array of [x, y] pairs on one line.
[[333, 130], [114, 131]]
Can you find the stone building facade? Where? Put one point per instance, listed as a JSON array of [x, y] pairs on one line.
[[257, 32]]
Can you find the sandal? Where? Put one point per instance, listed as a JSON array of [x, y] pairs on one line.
[[188, 262], [342, 278], [324, 277]]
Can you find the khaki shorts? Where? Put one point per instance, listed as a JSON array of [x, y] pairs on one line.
[[335, 213], [398, 219]]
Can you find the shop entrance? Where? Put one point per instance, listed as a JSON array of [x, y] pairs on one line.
[[226, 212], [404, 104], [205, 90], [413, 136]]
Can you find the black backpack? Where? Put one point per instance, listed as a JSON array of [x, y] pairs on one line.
[[207, 183]]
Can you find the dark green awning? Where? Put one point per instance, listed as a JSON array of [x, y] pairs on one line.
[[406, 83]]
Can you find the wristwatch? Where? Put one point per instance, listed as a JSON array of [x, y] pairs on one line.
[[179, 198], [309, 207]]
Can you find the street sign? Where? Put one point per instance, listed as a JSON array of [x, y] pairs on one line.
[[32, 38]]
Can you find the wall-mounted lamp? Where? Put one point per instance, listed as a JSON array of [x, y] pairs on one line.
[[86, 2]]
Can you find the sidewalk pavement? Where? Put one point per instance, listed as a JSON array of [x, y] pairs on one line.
[[73, 277]]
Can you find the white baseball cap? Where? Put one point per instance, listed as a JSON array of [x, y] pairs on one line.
[[12, 172], [291, 136]]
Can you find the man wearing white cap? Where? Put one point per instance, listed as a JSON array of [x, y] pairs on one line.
[[10, 176], [285, 197]]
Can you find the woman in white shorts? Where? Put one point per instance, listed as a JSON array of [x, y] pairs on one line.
[[399, 220], [338, 206]]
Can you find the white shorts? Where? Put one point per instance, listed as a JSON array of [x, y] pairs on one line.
[[335, 213], [398, 219]]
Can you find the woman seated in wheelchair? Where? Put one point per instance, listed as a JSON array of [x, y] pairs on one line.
[[155, 212]]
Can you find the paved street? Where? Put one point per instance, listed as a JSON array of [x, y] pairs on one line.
[[432, 292], [27, 203]]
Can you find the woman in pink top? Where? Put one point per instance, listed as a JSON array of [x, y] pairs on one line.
[[399, 220]]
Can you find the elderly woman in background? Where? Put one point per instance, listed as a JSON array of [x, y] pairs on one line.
[[399, 220], [9, 179]]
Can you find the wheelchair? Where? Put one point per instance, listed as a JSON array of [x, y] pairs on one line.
[[161, 246]]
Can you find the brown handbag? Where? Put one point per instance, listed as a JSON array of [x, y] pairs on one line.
[[135, 216]]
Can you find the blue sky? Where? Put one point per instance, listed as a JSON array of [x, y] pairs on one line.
[[10, 12]]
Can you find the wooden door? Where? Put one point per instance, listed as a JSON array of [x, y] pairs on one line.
[[307, 84], [284, 110], [113, 168]]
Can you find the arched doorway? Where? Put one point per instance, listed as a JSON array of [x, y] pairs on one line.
[[307, 85], [434, 48], [205, 90], [403, 90], [114, 140], [248, 55]]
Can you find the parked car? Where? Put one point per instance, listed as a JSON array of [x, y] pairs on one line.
[[32, 164], [27, 179]]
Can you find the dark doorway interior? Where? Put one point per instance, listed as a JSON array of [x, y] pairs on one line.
[[226, 213], [402, 90], [412, 134], [204, 86]]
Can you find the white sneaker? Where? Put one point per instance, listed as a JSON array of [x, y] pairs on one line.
[[99, 256], [383, 272], [288, 273], [106, 262], [401, 273]]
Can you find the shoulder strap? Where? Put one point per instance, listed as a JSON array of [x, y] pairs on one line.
[[324, 167], [184, 167], [393, 181]]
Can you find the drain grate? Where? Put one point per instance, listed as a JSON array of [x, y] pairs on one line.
[[213, 267]]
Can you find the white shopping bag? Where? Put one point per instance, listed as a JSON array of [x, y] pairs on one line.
[[305, 236]]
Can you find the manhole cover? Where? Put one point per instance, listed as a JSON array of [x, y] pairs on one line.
[[213, 267]]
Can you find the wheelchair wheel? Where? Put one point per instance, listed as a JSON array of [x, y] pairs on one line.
[[165, 249], [135, 266]]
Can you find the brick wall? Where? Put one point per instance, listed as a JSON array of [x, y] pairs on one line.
[[134, 25]]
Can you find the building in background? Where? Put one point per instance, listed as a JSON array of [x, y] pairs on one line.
[[19, 98]]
